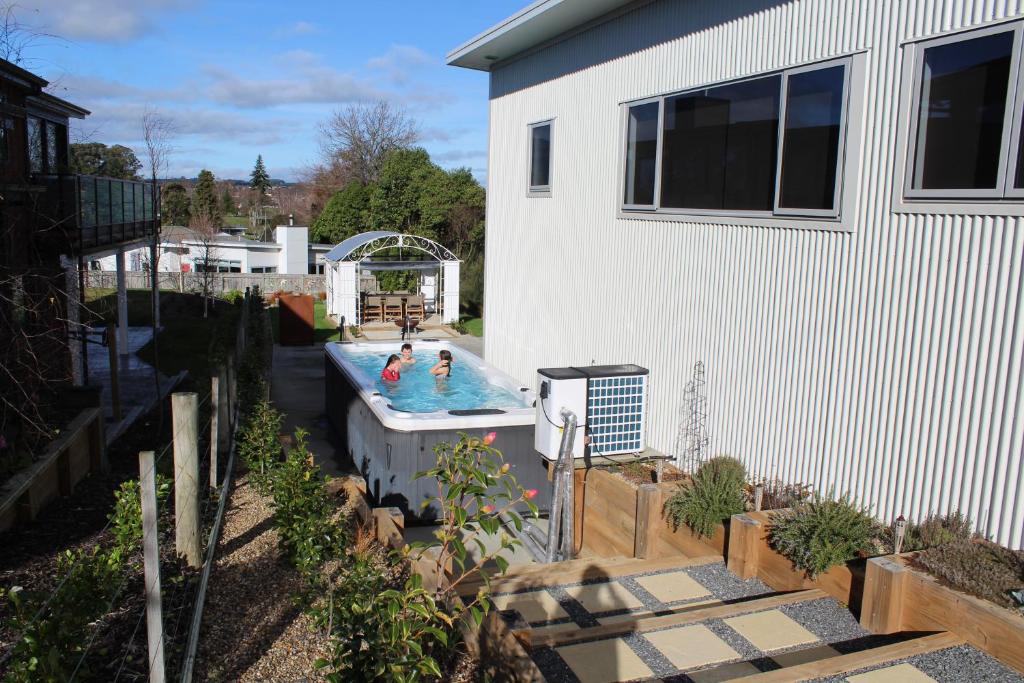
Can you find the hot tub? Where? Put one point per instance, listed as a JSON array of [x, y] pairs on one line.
[[391, 429]]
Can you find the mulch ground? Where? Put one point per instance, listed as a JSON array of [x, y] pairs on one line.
[[254, 628]]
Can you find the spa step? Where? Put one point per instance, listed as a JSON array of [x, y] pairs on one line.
[[865, 659], [573, 634], [534, 576]]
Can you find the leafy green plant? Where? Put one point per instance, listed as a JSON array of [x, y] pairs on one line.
[[258, 444], [715, 493], [778, 495], [822, 533], [978, 567], [126, 517], [311, 529], [233, 296]]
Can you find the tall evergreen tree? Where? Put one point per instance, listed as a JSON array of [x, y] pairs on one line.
[[205, 205], [227, 202], [175, 210], [259, 180]]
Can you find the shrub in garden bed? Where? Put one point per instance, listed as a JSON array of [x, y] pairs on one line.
[[934, 531], [822, 533], [975, 566], [777, 495], [714, 494]]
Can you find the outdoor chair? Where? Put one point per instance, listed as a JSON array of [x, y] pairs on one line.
[[392, 308], [373, 310], [414, 307]]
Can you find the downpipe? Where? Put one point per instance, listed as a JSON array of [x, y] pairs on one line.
[[560, 519]]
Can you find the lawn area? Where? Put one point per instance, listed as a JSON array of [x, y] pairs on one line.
[[235, 220], [102, 306], [474, 326], [324, 330]]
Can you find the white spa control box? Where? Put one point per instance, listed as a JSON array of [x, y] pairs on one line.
[[610, 404]]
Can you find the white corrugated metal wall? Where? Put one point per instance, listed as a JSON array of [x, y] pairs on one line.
[[885, 362]]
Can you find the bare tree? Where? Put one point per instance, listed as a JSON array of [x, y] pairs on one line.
[[157, 131], [360, 136], [205, 228], [17, 37]]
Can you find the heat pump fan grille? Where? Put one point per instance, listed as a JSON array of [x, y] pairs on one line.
[[615, 412]]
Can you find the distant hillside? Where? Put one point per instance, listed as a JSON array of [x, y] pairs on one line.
[[275, 182]]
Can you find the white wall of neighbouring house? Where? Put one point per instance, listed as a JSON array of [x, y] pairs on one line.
[[294, 255], [880, 354]]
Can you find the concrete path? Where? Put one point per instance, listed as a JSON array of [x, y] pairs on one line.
[[297, 389], [471, 344]]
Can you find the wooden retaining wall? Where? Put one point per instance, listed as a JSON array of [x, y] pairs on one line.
[[79, 450], [620, 519], [898, 597], [750, 556]]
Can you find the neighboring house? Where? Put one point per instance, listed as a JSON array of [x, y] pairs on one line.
[[51, 221], [821, 200], [185, 250]]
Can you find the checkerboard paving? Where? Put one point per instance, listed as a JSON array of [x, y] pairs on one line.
[[604, 661], [670, 587], [771, 630], [691, 647]]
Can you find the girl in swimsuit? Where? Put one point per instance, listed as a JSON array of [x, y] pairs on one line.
[[392, 369], [443, 368]]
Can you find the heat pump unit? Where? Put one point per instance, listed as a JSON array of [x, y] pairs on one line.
[[609, 401]]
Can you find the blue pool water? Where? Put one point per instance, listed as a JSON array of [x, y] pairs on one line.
[[420, 392]]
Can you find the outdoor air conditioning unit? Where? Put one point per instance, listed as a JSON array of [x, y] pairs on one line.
[[609, 401]]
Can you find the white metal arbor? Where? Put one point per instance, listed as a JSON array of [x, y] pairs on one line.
[[348, 260]]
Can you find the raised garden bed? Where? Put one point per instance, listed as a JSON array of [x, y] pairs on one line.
[[78, 451], [898, 597], [750, 555]]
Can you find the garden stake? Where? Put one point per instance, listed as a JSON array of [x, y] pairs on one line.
[[901, 531], [758, 497]]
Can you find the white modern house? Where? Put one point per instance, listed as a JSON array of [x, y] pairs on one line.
[[821, 200], [184, 250]]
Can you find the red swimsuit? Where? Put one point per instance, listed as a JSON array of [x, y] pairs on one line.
[[390, 375]]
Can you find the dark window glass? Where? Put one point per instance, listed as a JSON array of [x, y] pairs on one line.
[[1018, 178], [720, 147], [6, 130], [51, 148], [540, 156], [641, 153], [963, 101], [35, 145], [810, 143]]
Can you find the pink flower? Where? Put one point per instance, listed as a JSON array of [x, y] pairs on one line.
[[487, 509], [505, 468], [530, 494], [489, 439]]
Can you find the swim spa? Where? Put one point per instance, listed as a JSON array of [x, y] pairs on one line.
[[391, 428]]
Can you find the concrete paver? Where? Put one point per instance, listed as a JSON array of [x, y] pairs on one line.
[[604, 597], [691, 647], [604, 661], [901, 673], [533, 605], [673, 586], [771, 630]]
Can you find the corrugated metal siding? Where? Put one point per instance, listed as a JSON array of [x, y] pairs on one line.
[[885, 362]]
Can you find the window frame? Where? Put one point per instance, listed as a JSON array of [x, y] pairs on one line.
[[913, 81], [778, 216], [540, 190]]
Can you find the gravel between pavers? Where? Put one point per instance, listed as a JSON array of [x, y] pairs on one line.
[[253, 628], [962, 664]]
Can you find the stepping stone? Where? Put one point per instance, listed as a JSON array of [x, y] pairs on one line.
[[691, 647], [604, 597], [771, 630], [644, 614], [901, 673], [533, 605], [604, 661], [811, 654], [726, 672], [673, 586]]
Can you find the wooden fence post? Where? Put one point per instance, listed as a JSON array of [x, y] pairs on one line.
[[648, 521], [223, 414], [115, 388], [744, 534], [881, 608], [185, 416], [214, 428], [151, 567]]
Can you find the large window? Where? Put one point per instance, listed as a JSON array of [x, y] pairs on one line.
[[540, 158], [961, 143], [36, 156], [771, 145]]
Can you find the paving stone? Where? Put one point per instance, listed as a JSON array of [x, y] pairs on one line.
[[901, 673], [604, 661], [533, 605], [646, 614], [691, 647], [771, 630], [726, 672], [608, 596], [673, 586]]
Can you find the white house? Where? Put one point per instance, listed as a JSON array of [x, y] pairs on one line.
[[183, 250], [821, 200]]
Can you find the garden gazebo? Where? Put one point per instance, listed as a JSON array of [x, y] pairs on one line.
[[382, 250]]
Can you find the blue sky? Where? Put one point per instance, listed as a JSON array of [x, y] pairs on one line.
[[243, 77]]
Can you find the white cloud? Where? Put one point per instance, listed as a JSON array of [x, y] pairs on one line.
[[100, 20], [297, 29], [308, 83], [398, 63]]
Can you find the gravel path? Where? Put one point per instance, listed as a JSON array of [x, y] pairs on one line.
[[253, 627]]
